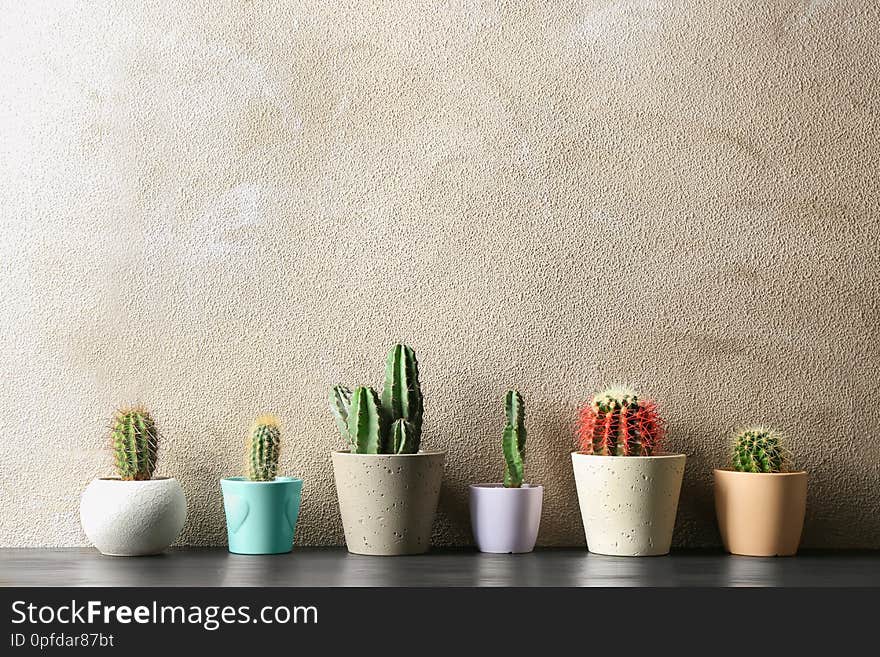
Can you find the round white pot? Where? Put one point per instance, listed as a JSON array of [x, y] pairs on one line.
[[132, 518], [506, 520], [628, 503], [388, 501]]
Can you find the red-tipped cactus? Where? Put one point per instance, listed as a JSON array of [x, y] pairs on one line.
[[617, 422]]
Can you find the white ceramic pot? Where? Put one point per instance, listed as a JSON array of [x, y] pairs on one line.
[[506, 520], [388, 501], [628, 503], [132, 518]]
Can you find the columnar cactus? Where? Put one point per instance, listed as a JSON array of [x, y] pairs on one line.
[[392, 425], [617, 422], [135, 443], [263, 449], [513, 441], [758, 449]]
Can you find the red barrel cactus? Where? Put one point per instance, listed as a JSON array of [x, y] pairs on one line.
[[617, 422]]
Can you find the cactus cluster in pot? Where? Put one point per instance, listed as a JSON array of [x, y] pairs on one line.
[[261, 508], [391, 424], [387, 486], [133, 514], [628, 487], [760, 502], [506, 516]]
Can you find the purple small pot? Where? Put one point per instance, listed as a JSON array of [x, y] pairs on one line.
[[506, 520]]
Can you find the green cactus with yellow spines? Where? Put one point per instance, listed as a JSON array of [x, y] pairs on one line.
[[135, 443], [263, 448], [760, 449]]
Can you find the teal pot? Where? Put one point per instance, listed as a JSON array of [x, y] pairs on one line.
[[261, 515]]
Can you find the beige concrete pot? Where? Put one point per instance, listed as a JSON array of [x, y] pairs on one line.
[[760, 514], [388, 501], [628, 503]]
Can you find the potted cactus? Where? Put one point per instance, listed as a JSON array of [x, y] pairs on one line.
[[627, 487], [387, 488], [505, 517], [261, 507], [133, 514], [760, 502]]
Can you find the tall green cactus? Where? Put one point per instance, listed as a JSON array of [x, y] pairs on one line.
[[513, 441], [263, 449], [135, 442], [365, 427], [392, 425], [757, 449]]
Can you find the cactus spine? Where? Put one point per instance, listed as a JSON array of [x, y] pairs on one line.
[[135, 443], [263, 449], [758, 449], [392, 425], [617, 422], [514, 439]]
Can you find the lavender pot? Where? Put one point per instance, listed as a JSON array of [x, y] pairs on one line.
[[506, 520]]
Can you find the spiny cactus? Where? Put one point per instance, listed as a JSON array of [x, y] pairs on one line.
[[392, 425], [263, 449], [617, 422], [758, 449], [135, 443], [514, 439]]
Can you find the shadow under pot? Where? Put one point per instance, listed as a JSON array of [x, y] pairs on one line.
[[760, 514], [628, 503], [388, 501], [261, 515], [505, 520], [132, 518]]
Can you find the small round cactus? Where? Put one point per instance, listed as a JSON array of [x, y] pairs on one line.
[[758, 449], [135, 443], [263, 448], [617, 422]]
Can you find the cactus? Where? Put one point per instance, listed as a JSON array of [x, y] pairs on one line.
[[617, 422], [758, 449], [135, 443], [392, 425], [263, 449], [513, 441]]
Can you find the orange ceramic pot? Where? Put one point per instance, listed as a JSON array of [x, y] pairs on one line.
[[760, 514]]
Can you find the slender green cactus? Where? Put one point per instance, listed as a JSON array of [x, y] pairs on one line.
[[135, 442], [402, 395], [263, 449], [392, 425], [340, 403], [514, 439], [758, 449], [365, 426]]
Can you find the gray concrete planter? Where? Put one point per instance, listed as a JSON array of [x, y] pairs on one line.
[[388, 501], [628, 503]]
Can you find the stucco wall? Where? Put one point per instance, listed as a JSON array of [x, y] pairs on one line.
[[222, 211]]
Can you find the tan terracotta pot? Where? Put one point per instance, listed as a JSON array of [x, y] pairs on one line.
[[760, 514], [388, 501]]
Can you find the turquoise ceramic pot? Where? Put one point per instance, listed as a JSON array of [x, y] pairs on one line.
[[261, 515]]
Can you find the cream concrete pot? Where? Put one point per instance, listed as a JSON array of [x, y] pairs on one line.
[[760, 514], [628, 503], [388, 501], [132, 518]]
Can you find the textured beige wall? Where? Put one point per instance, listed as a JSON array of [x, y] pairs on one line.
[[222, 211]]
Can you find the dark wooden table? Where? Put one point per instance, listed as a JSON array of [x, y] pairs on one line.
[[335, 567]]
